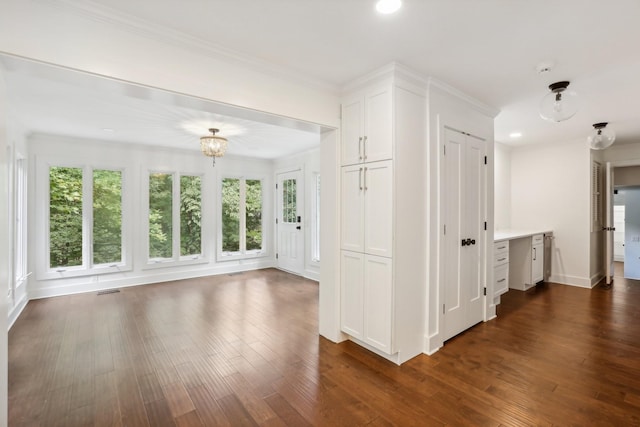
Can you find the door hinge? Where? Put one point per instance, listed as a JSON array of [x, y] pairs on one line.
[[445, 229], [442, 308], [277, 222], [444, 150], [485, 226], [485, 291], [485, 160], [276, 256], [276, 186]]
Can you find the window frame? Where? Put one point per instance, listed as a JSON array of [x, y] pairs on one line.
[[176, 258], [315, 220], [21, 220], [44, 271], [242, 253]]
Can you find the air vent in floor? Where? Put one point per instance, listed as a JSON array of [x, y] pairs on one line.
[[109, 291]]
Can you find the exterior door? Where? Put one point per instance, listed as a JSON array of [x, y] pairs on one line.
[[463, 198], [290, 234]]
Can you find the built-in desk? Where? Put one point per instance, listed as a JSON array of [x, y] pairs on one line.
[[524, 253]]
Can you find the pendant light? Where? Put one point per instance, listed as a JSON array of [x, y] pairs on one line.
[[213, 145], [601, 137], [560, 104]]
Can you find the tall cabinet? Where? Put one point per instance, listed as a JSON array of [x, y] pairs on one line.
[[382, 179]]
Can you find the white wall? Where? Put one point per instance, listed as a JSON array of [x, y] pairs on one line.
[[137, 161], [550, 190], [309, 164], [502, 188], [81, 37], [4, 250]]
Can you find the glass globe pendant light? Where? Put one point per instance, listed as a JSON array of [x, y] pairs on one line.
[[560, 104], [601, 137]]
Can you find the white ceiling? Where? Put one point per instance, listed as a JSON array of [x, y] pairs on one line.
[[488, 49]]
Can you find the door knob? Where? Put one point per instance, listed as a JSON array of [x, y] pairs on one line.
[[298, 227]]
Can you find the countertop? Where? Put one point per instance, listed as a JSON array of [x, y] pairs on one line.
[[501, 235]]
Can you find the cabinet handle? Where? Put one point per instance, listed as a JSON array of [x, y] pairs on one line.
[[501, 247], [501, 280], [501, 259], [360, 179], [535, 254], [365, 177], [360, 148], [364, 145]]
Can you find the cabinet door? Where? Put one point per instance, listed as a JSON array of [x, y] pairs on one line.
[[352, 294], [537, 263], [352, 208], [378, 208], [352, 131], [378, 129], [378, 302]]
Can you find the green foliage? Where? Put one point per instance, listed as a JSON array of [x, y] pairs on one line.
[[65, 217], [107, 216], [190, 215], [160, 215], [230, 215], [253, 214]]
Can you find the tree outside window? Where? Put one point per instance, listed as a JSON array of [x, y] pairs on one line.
[[241, 216]]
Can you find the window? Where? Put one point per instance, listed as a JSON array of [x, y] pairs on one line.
[[241, 217], [315, 221], [85, 220], [175, 215], [20, 233]]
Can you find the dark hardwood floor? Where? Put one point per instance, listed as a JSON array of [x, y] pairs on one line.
[[243, 350]]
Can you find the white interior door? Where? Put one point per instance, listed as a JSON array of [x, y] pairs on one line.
[[463, 240], [290, 232]]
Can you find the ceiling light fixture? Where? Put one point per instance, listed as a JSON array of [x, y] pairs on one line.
[[388, 6], [212, 145], [515, 134], [601, 137], [560, 104]]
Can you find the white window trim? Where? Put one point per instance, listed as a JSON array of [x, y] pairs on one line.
[[176, 259], [243, 253], [43, 270], [20, 185]]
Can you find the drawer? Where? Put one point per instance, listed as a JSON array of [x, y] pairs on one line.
[[537, 239], [500, 258], [500, 280], [501, 247]]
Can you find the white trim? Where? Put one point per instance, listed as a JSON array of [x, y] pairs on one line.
[[92, 286], [474, 103], [17, 310], [563, 279]]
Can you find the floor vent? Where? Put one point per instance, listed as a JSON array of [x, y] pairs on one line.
[[236, 274], [109, 291]]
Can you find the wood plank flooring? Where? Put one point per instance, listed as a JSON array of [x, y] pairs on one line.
[[244, 350]]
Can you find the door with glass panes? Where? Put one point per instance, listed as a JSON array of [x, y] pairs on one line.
[[289, 226]]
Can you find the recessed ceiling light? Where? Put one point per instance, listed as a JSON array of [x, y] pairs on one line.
[[108, 130], [515, 134], [388, 6]]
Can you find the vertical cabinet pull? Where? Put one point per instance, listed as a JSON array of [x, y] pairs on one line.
[[360, 148], [364, 145], [365, 179], [535, 254], [360, 179]]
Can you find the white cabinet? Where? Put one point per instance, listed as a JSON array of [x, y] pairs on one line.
[[500, 268], [537, 259], [367, 208], [366, 293], [383, 149], [367, 126]]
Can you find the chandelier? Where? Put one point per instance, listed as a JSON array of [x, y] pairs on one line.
[[212, 145]]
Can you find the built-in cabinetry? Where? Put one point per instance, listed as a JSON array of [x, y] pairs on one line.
[[525, 254], [383, 139], [500, 268]]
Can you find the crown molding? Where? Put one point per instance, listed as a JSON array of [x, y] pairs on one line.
[[392, 70], [476, 104], [95, 11]]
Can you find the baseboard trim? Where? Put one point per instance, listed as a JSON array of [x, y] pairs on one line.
[[17, 311], [91, 286], [580, 282]]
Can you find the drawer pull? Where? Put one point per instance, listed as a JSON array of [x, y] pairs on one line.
[[501, 259], [502, 247], [501, 280]]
